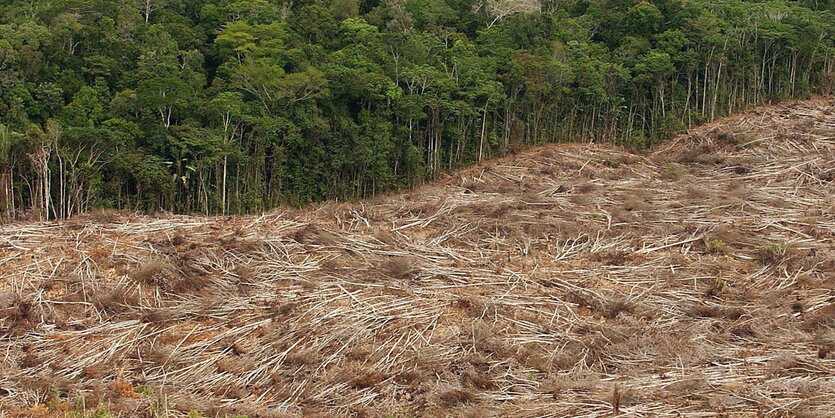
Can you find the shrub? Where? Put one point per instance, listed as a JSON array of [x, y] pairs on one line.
[[715, 246], [773, 252]]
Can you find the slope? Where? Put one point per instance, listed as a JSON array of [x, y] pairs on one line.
[[573, 279]]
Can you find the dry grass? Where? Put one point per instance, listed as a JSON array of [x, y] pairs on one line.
[[573, 280]]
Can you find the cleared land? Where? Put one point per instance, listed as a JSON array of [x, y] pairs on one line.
[[568, 280]]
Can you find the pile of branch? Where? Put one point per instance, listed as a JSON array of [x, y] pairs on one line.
[[570, 280]]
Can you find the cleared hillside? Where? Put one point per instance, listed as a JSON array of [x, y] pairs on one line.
[[573, 279]]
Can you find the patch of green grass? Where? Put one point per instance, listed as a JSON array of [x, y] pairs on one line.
[[773, 252], [715, 246], [144, 390], [100, 412]]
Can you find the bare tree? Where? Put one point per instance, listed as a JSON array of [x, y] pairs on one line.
[[502, 9], [149, 6]]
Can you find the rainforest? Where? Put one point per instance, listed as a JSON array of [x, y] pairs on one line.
[[227, 107]]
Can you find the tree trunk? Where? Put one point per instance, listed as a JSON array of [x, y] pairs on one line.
[[483, 132]]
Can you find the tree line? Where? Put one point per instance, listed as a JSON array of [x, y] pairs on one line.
[[230, 106]]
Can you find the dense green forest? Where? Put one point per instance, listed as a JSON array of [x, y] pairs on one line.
[[227, 106]]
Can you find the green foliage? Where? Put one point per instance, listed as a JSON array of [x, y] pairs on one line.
[[81, 412], [773, 252], [236, 106], [6, 144], [144, 390], [715, 246]]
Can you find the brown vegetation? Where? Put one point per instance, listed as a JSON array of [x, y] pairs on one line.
[[568, 280]]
